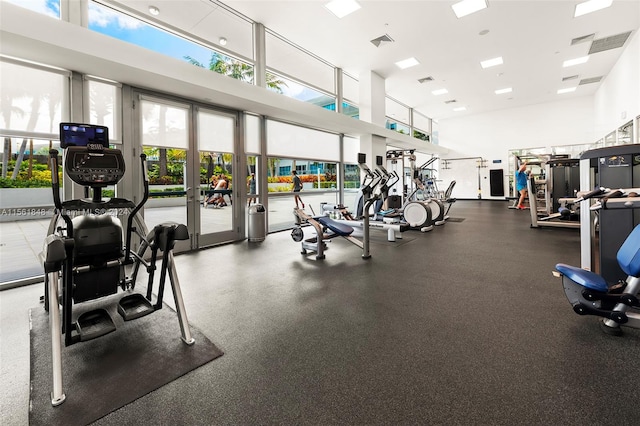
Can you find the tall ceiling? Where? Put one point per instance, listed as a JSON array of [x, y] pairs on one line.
[[534, 38]]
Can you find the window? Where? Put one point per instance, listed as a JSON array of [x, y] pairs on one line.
[[127, 28], [46, 7], [37, 100], [104, 105], [306, 67], [299, 91]]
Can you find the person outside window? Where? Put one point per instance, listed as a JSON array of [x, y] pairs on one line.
[[217, 199], [297, 187], [252, 188], [522, 174]]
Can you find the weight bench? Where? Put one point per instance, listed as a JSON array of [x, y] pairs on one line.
[[321, 224]]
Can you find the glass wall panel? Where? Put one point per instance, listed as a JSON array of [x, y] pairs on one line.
[[164, 125], [396, 111], [287, 140], [46, 7], [351, 171], [291, 60], [130, 29], [253, 172], [252, 134], [625, 133], [105, 106], [33, 99], [350, 89], [26, 204], [293, 89], [216, 132], [397, 126], [421, 122], [435, 133], [350, 110], [319, 185], [165, 140]]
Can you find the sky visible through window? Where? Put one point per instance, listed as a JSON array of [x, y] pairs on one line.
[[120, 26], [46, 7], [126, 28]]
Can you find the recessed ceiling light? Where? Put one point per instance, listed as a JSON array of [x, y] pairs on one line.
[[154, 10], [223, 41], [491, 62], [483, 32], [567, 90], [467, 7], [460, 109], [505, 90], [591, 6], [576, 61], [440, 92], [410, 62], [342, 8]]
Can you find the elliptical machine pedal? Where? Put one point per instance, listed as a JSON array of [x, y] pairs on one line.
[[94, 324], [134, 306]]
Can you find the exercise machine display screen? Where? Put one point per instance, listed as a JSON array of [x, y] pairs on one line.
[[72, 134], [89, 168]]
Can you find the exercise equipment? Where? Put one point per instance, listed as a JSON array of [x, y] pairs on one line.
[[552, 195], [386, 221], [590, 294], [85, 258], [616, 300], [327, 228], [603, 231]]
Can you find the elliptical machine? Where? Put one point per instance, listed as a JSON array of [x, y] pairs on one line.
[[84, 257]]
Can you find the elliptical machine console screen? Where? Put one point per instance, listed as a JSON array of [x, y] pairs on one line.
[[89, 135], [94, 168]]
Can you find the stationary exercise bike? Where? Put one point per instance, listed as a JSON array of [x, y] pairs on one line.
[[590, 294], [85, 258]]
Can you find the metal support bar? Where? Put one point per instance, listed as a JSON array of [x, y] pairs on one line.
[[177, 297], [57, 395]]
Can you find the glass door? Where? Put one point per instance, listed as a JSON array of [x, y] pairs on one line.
[[191, 158], [165, 141], [216, 193]]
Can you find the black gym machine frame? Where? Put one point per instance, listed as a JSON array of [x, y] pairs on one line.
[[84, 259]]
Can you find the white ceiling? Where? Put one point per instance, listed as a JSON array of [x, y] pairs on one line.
[[533, 37]]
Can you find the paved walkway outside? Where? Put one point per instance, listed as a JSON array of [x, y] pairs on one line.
[[21, 240]]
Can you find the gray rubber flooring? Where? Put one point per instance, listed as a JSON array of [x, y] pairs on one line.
[[464, 325]]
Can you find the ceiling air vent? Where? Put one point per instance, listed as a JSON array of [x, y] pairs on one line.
[[571, 77], [384, 39], [608, 43], [450, 101], [589, 80], [582, 39], [425, 80]]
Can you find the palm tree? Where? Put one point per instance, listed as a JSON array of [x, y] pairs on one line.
[[236, 69]]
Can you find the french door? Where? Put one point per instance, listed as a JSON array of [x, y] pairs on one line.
[[190, 148]]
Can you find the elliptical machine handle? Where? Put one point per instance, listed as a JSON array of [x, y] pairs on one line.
[[55, 182], [145, 197]]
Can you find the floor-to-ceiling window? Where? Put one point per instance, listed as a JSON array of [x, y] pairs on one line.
[[314, 155], [35, 100]]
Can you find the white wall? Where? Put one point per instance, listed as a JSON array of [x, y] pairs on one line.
[[491, 135], [565, 122], [617, 101]]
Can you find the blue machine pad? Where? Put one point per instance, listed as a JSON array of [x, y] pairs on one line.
[[583, 277], [337, 227]]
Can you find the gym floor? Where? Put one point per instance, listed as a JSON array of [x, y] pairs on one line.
[[462, 325]]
